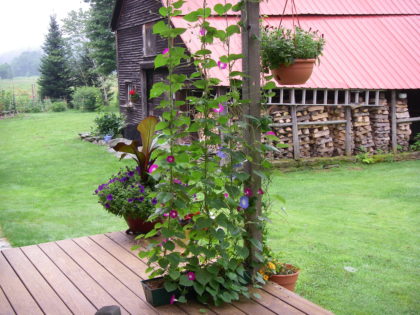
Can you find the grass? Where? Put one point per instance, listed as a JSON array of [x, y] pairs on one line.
[[19, 83], [47, 176], [365, 217]]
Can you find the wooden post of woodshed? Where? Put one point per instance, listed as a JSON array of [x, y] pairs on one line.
[[251, 92], [394, 121]]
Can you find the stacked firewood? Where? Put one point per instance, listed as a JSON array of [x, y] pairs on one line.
[[321, 140], [304, 133], [403, 129], [362, 130], [381, 128], [281, 115], [338, 132]]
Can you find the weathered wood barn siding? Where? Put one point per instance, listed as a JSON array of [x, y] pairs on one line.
[[133, 66]]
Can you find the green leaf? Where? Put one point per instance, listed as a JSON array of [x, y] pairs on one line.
[[199, 288], [164, 197], [169, 245], [160, 28], [185, 281], [211, 291], [178, 4], [163, 11], [161, 60], [170, 286], [233, 29], [191, 17], [269, 86], [203, 223], [202, 276], [256, 295], [174, 274], [182, 299], [147, 130], [243, 252]]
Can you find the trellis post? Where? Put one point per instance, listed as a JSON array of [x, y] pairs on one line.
[[251, 93]]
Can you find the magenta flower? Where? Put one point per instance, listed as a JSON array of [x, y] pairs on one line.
[[220, 109], [153, 168], [173, 299], [166, 214], [270, 133], [221, 65], [173, 214], [191, 275], [170, 159], [260, 192], [177, 181], [165, 51], [202, 31], [248, 192], [226, 195]]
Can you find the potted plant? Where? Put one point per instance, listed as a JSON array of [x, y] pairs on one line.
[[283, 274], [125, 195], [290, 54], [134, 96]]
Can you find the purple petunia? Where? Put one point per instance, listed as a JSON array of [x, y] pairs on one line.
[[154, 201], [130, 200], [109, 197], [130, 173], [244, 202], [191, 275], [107, 205]]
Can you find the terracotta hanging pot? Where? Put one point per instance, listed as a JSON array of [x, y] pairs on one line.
[[138, 226], [286, 281], [297, 73]]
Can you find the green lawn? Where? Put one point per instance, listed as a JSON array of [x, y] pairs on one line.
[[365, 217]]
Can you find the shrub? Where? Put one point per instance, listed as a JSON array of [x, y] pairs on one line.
[[87, 98], [108, 124], [59, 106], [416, 145]]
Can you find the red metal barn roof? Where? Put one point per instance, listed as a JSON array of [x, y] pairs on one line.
[[323, 7], [361, 52]]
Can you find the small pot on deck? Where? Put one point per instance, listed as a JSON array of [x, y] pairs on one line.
[[138, 225], [155, 292], [287, 281]]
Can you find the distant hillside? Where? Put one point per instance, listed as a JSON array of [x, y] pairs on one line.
[[24, 64]]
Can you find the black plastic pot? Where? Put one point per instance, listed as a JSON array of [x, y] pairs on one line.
[[157, 296]]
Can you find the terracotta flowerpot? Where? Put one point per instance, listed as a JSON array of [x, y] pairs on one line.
[[297, 73], [286, 281], [139, 226]]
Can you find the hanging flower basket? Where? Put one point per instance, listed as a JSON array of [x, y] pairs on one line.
[[290, 54], [297, 73]]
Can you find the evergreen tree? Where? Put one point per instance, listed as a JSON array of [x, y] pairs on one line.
[[55, 79], [102, 40]]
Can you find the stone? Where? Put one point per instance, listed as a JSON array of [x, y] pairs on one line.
[[109, 310]]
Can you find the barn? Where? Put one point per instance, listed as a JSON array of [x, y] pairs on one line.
[[364, 95]]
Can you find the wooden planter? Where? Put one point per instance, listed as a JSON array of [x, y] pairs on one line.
[[297, 73], [134, 98], [286, 281], [138, 226], [155, 293]]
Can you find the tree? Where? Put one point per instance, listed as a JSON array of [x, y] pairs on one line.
[[26, 64], [102, 40], [55, 74], [83, 71], [5, 71]]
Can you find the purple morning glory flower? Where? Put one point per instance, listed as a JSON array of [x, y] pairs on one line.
[[221, 154], [153, 168], [221, 65], [109, 197], [170, 159], [130, 200], [220, 109], [191, 275], [96, 192], [248, 192], [244, 202], [270, 133], [154, 201], [177, 181], [173, 214], [107, 205]]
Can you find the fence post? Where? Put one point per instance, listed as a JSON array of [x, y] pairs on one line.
[[348, 124]]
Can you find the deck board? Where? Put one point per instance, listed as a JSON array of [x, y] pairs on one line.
[[84, 274]]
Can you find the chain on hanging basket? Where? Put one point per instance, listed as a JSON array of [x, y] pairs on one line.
[[290, 54]]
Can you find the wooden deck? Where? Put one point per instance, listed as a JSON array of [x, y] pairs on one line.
[[79, 276]]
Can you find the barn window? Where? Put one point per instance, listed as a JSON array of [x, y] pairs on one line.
[[149, 40]]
